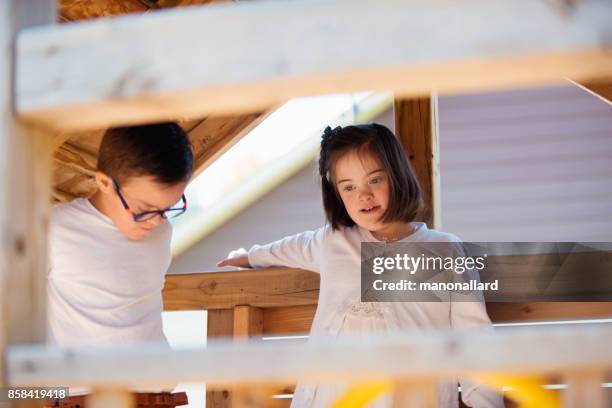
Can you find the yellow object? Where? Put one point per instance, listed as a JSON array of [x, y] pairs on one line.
[[527, 392], [362, 394]]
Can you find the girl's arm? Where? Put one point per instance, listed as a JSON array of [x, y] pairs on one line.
[[295, 251], [239, 261]]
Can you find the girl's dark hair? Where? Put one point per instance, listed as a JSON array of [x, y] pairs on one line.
[[405, 198], [162, 151]]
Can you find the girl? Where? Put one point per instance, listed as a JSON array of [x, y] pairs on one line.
[[370, 194]]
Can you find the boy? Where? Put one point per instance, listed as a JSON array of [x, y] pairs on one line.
[[108, 255]]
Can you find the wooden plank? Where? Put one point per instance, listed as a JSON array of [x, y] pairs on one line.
[[116, 398], [220, 324], [416, 125], [289, 320], [75, 159], [289, 297], [248, 325], [415, 394], [185, 3], [269, 287], [584, 390], [25, 157], [510, 312], [217, 134], [74, 172], [70, 10], [248, 322], [409, 356], [599, 88], [296, 320], [60, 196], [521, 44]]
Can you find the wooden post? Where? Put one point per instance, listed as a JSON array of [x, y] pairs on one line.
[[25, 175], [243, 322], [105, 398], [584, 390], [220, 324], [248, 324], [416, 125], [415, 394]]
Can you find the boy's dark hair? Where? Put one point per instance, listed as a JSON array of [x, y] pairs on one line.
[[161, 150], [405, 197]]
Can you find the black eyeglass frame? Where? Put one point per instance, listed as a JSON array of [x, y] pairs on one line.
[[147, 215]]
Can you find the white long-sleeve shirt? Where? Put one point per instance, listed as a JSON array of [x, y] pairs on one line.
[[336, 256], [103, 289]]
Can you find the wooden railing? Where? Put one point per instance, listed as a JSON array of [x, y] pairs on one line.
[[282, 301]]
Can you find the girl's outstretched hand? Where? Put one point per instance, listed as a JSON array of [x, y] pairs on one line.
[[237, 258]]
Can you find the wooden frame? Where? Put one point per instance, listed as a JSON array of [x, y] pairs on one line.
[[601, 89], [416, 125], [433, 355], [514, 46], [317, 50], [25, 157], [288, 299]]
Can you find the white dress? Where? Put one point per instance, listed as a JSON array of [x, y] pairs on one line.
[[336, 256]]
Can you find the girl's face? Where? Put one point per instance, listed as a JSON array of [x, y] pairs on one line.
[[363, 184]]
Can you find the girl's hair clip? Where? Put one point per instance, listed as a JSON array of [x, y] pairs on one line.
[[329, 132]]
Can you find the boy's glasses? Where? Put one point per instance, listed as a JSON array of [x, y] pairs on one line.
[[147, 215]]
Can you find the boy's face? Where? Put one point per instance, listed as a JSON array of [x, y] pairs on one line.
[[141, 193]]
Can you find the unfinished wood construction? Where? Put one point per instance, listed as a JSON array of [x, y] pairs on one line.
[[416, 125], [599, 88], [75, 155], [517, 45], [25, 158], [408, 355], [289, 308], [136, 84]]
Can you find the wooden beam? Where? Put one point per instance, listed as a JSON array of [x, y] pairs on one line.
[[248, 323], [185, 3], [297, 320], [220, 72], [602, 89], [416, 125], [584, 390], [25, 159], [75, 158], [289, 297], [512, 312], [220, 324], [78, 160], [217, 134], [285, 287], [418, 355], [270, 287], [70, 10], [289, 320], [60, 196]]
